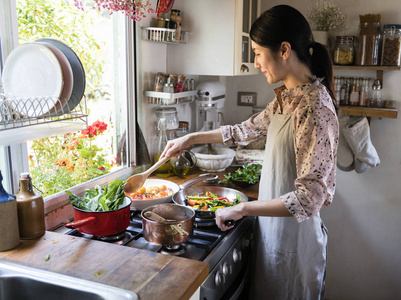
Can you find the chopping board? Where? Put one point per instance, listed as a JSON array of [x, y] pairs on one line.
[[149, 274]]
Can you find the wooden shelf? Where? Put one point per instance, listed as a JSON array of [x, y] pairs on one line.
[[368, 112]]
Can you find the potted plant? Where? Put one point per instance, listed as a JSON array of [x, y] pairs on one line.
[[324, 17]]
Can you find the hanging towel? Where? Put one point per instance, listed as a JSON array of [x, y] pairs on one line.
[[345, 156], [357, 134]]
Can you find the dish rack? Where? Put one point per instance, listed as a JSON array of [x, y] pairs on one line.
[[160, 98], [163, 35], [35, 118]]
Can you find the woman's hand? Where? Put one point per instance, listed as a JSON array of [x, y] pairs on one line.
[[175, 147], [226, 214]]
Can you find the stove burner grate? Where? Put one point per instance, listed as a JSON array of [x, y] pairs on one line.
[[112, 238], [173, 250]]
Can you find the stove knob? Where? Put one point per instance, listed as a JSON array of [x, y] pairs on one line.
[[218, 278], [237, 255], [227, 269]]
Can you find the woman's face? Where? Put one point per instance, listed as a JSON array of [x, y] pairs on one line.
[[268, 62]]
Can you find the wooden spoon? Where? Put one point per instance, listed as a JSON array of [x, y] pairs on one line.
[[135, 182]]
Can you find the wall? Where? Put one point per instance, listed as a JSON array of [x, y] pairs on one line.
[[364, 219]]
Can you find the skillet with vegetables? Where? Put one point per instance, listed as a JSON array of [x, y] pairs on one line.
[[211, 202]]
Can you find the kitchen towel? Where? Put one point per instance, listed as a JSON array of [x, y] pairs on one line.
[[357, 134], [345, 156]]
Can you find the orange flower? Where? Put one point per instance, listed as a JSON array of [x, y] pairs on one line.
[[62, 162]]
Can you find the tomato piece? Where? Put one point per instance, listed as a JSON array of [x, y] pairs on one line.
[[192, 202]]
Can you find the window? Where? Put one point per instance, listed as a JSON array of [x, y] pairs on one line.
[[104, 44]]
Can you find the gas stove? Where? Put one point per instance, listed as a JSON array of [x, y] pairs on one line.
[[226, 252]]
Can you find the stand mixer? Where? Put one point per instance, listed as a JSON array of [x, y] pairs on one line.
[[209, 105]]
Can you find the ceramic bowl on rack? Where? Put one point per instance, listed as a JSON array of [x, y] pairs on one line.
[[221, 158]]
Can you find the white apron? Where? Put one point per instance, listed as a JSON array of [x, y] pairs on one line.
[[290, 257]]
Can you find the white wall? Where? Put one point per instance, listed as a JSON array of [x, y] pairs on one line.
[[364, 222]]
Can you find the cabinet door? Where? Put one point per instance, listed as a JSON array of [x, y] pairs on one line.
[[246, 13]]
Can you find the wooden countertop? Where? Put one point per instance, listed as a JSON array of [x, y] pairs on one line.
[[149, 274]]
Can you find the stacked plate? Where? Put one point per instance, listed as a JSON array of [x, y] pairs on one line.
[[43, 78]]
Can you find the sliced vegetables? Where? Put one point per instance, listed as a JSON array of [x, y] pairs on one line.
[[106, 198], [153, 192], [210, 201]]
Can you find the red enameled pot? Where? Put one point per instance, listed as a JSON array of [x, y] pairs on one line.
[[102, 223]]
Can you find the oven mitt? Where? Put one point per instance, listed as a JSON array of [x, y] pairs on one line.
[[357, 134], [345, 156]]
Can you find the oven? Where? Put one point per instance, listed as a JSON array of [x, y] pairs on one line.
[[228, 253]]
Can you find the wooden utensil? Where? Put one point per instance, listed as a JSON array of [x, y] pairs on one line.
[[135, 182], [155, 217]]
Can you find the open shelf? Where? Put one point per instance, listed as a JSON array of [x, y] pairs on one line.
[[368, 112]]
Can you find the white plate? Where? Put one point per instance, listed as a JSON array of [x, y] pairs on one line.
[[33, 72], [67, 76]]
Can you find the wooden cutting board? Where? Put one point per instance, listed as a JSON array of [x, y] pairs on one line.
[[149, 274]]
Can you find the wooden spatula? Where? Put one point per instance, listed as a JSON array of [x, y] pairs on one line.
[[135, 182]]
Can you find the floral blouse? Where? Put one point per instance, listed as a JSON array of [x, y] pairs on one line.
[[315, 142]]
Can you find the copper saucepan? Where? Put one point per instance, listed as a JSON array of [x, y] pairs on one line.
[[165, 232]]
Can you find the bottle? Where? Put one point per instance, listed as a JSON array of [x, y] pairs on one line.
[[363, 95], [354, 95], [31, 212], [9, 232], [344, 50], [337, 85], [376, 100], [183, 163], [164, 170], [345, 91], [176, 18]]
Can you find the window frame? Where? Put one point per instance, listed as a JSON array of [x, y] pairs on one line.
[[16, 156]]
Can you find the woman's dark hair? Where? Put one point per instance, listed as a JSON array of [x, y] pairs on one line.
[[285, 23]]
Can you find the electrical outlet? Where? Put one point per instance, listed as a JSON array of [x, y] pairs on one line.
[[246, 99]]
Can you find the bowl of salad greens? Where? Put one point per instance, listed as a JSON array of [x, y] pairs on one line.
[[245, 177]]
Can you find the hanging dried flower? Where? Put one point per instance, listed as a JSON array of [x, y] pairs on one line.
[[325, 16], [135, 9]]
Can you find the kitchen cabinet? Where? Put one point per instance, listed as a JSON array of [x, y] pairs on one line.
[[219, 42], [369, 111]]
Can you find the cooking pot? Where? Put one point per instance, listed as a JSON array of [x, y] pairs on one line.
[[142, 204], [180, 198], [164, 233], [102, 223]]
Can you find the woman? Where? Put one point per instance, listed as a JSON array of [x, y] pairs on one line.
[[298, 177]]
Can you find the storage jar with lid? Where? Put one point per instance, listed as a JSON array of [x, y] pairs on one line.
[[168, 114], [9, 233], [391, 52], [31, 211], [369, 44], [344, 50]]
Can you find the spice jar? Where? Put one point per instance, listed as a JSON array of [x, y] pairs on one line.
[[369, 43], [391, 45], [376, 100], [176, 18], [344, 50]]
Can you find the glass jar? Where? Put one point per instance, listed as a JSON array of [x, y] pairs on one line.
[[369, 43], [344, 50], [376, 99], [391, 45], [169, 114], [183, 128]]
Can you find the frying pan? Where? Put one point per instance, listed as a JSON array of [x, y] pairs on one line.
[[180, 197], [102, 223], [142, 204]]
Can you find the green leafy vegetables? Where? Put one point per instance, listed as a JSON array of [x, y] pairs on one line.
[[105, 198], [249, 173]]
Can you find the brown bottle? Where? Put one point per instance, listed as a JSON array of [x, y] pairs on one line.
[[31, 212]]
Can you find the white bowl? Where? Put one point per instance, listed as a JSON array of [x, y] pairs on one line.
[[213, 162]]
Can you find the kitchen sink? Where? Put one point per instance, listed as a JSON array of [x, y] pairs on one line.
[[18, 282]]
